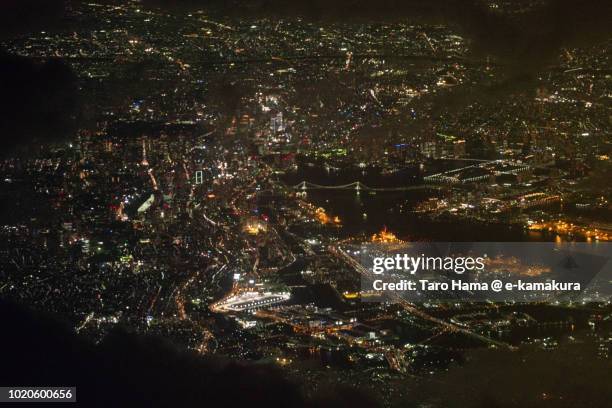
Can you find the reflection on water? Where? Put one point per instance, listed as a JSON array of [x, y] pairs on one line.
[[367, 212]]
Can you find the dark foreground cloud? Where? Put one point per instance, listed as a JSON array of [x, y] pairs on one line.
[[20, 17], [38, 101], [128, 370], [571, 376], [38, 98]]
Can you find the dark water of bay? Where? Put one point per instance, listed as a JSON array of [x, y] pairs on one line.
[[367, 212]]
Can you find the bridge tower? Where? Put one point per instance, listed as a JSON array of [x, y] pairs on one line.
[[302, 187]]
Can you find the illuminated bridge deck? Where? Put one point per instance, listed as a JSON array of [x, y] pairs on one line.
[[251, 301]]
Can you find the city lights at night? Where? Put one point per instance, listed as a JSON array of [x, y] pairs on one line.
[[306, 203]]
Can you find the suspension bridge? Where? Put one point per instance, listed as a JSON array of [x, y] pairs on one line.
[[357, 186]]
